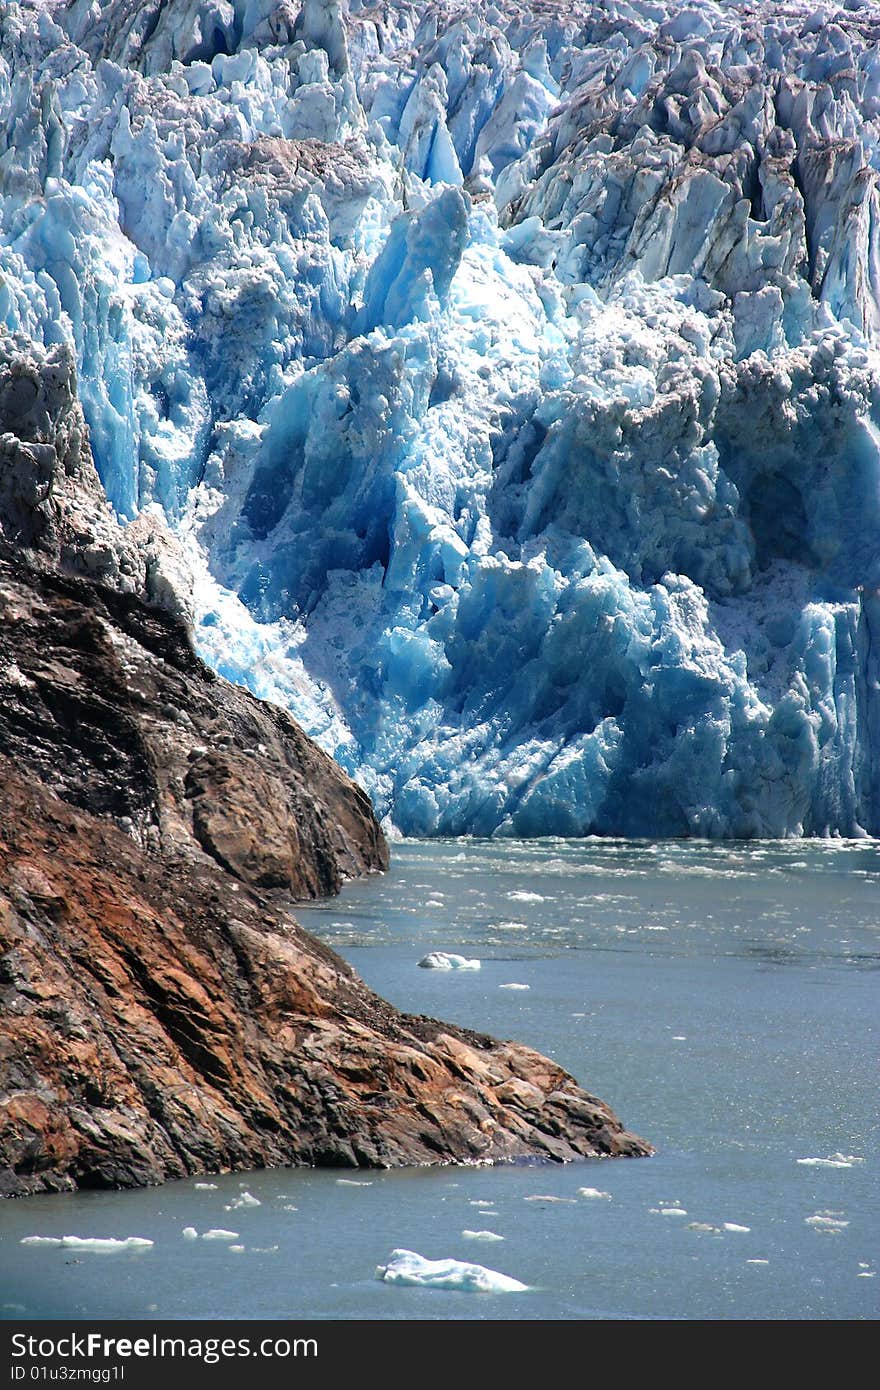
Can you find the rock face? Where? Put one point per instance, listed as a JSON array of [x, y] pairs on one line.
[[162, 1013]]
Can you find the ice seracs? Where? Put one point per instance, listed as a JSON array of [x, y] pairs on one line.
[[509, 377]]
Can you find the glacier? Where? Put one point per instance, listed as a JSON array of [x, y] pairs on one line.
[[505, 383]]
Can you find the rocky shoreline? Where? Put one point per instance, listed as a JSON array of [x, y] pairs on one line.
[[162, 1012]]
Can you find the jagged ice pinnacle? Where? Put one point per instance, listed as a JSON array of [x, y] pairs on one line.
[[509, 376]]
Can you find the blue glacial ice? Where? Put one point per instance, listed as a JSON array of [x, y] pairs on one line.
[[507, 378]]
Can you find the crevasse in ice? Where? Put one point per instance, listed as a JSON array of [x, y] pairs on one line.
[[510, 374]]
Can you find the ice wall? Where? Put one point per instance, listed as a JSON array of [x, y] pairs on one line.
[[512, 375]]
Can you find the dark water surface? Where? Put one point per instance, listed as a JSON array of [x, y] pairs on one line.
[[722, 998]]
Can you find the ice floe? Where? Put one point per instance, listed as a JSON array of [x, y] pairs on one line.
[[407, 1267], [593, 1192], [99, 1245], [833, 1161], [481, 1235], [445, 960], [219, 1234]]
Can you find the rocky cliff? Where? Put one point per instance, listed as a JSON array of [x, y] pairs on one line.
[[162, 1013]]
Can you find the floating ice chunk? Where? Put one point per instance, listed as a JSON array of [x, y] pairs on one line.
[[541, 1197], [705, 1226], [479, 1202], [834, 1161], [245, 1200], [190, 1233], [219, 1234], [407, 1267], [521, 895], [672, 1211], [757, 1262], [205, 1186], [443, 960], [511, 926], [514, 985], [679, 1037], [40, 1240], [481, 1235], [593, 1192], [733, 1226], [99, 1245], [288, 1206], [828, 1223], [237, 1248]]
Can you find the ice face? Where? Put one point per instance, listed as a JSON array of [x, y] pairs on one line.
[[511, 376]]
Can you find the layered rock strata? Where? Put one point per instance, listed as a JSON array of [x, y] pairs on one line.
[[161, 1013]]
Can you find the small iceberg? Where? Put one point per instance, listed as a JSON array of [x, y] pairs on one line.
[[834, 1161], [734, 1226], [190, 1233], [444, 960], [408, 1268], [514, 985], [99, 1245], [245, 1200], [481, 1235], [593, 1192], [205, 1186], [220, 1234]]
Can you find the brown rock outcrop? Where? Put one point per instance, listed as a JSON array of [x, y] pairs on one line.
[[161, 1013]]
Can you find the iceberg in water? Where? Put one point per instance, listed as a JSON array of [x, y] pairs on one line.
[[508, 376], [445, 960], [406, 1267], [99, 1245]]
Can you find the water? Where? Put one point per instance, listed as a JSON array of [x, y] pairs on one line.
[[722, 998]]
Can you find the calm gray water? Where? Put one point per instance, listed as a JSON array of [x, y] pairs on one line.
[[723, 998]]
